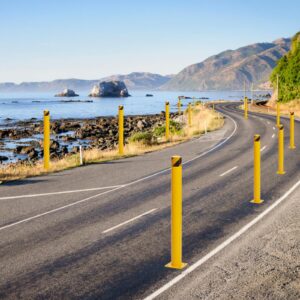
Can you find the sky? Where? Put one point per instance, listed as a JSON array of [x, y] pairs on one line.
[[90, 39]]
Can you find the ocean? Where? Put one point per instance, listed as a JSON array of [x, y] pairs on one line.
[[26, 106]]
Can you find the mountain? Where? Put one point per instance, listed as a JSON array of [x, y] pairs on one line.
[[134, 81], [229, 70], [140, 81], [288, 72]]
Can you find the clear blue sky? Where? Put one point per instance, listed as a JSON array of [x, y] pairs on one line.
[[45, 40]]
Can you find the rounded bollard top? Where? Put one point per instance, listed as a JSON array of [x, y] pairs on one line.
[[121, 107], [167, 103], [281, 127], [176, 161], [257, 138], [46, 113], [291, 113]]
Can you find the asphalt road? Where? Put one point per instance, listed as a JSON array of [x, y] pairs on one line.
[[103, 231]]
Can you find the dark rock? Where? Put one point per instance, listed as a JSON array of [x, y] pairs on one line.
[[3, 158], [149, 95]]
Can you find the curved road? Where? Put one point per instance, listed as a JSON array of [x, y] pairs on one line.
[[103, 231]]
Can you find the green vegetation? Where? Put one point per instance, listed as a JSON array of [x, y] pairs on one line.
[[288, 70], [175, 128], [145, 138]]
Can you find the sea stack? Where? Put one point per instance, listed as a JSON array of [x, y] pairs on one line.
[[109, 89], [67, 93]]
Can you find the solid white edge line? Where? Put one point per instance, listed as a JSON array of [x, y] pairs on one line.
[[121, 186], [263, 148], [130, 220], [230, 170], [221, 246], [60, 193]]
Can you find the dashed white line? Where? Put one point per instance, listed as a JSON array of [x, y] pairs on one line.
[[273, 135], [130, 220], [60, 193], [274, 128], [230, 170], [221, 246], [263, 148], [268, 122]]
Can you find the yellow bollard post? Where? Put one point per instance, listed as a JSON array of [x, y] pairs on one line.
[[277, 114], [176, 215], [179, 106], [46, 139], [280, 150], [246, 108], [213, 107], [190, 115], [167, 121], [121, 130], [256, 173], [292, 131]]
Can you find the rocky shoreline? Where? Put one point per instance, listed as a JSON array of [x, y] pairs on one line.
[[23, 140]]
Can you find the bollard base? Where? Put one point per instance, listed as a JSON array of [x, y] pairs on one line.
[[292, 148], [257, 201], [180, 267], [280, 172]]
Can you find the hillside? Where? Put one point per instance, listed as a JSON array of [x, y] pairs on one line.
[[288, 70], [229, 69], [134, 81]]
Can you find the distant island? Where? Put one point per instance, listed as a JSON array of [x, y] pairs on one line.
[[109, 89], [67, 93]]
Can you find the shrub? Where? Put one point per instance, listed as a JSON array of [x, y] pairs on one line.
[[146, 138]]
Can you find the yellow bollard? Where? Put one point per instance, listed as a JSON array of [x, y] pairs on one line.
[[167, 121], [176, 215], [213, 107], [190, 115], [179, 106], [46, 139], [246, 108], [121, 130], [280, 150], [277, 114], [256, 173], [292, 131]]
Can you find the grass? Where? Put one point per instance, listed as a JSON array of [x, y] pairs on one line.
[[139, 143]]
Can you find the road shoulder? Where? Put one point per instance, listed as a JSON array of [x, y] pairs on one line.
[[261, 264]]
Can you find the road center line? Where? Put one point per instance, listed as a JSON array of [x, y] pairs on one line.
[[263, 148], [222, 245], [125, 185], [230, 170], [60, 193], [273, 128], [273, 135], [130, 220]]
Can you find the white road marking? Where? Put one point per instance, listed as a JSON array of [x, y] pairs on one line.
[[268, 122], [60, 193], [221, 246], [122, 186], [129, 221], [230, 170], [273, 128], [263, 148], [273, 135]]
